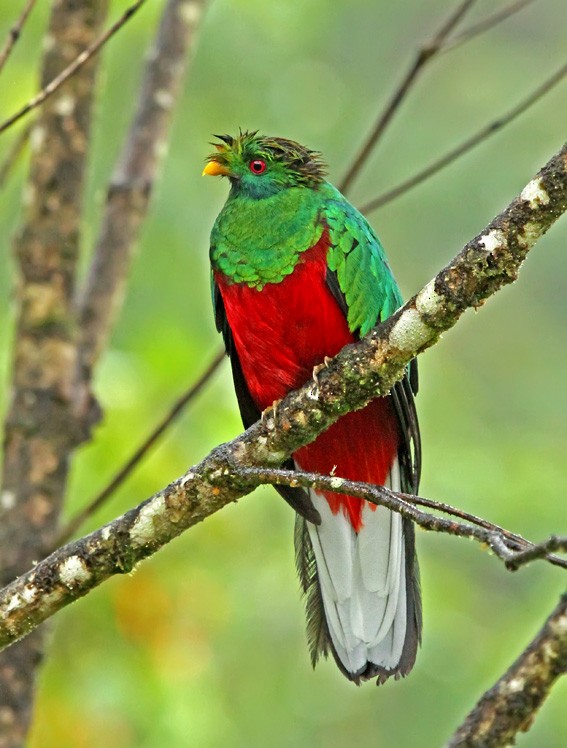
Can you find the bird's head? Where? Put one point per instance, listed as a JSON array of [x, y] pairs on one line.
[[260, 166]]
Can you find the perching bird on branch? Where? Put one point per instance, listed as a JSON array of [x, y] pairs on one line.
[[297, 274]]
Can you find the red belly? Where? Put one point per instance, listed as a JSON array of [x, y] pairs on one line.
[[280, 334]]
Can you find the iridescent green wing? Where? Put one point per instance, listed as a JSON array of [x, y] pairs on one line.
[[361, 280], [358, 260]]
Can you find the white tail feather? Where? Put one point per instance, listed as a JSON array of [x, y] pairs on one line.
[[363, 582]]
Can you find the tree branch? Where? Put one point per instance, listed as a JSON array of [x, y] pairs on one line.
[[14, 33], [516, 559], [357, 374], [485, 25], [510, 705], [14, 153]]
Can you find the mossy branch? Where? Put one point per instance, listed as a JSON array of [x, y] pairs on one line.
[[509, 706], [357, 374]]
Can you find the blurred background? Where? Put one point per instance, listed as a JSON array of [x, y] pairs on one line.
[[203, 645]]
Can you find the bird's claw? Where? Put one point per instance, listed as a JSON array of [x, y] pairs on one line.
[[271, 410], [319, 368]]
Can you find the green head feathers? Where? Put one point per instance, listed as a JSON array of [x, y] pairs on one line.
[[278, 207], [260, 166]]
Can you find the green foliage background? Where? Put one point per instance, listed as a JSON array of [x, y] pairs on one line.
[[204, 644]]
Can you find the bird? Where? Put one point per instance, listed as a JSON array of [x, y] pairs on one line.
[[297, 273]]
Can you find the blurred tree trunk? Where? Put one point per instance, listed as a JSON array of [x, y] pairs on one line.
[[45, 419], [58, 337]]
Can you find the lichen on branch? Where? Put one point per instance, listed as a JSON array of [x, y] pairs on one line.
[[356, 375], [509, 706]]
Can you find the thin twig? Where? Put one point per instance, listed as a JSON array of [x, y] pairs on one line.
[[539, 550], [485, 25], [481, 530], [14, 33], [467, 145], [71, 69], [423, 56], [102, 497], [515, 541], [14, 154]]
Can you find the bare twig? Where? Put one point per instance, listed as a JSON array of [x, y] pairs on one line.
[[102, 497], [14, 33], [129, 193], [50, 88], [467, 145], [359, 373], [515, 541], [14, 154], [514, 559], [484, 532], [510, 705], [423, 56], [485, 25]]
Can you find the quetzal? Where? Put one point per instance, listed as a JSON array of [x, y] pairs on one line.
[[297, 273]]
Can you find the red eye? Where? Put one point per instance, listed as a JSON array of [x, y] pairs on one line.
[[257, 166]]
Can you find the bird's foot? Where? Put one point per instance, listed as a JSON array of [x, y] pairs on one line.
[[271, 410], [319, 368]]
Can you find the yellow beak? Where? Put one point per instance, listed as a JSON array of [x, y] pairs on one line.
[[214, 169]]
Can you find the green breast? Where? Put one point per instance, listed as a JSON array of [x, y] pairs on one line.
[[259, 241]]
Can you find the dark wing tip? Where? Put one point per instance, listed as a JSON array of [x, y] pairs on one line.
[[299, 499]]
